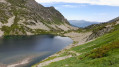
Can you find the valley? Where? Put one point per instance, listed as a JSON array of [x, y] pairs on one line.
[[32, 35], [92, 49]]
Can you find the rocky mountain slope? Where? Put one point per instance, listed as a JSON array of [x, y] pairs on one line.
[[94, 46], [102, 28], [27, 17]]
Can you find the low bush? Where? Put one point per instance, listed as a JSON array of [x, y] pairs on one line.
[[102, 51]]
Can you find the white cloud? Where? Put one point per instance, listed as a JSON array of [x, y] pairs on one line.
[[93, 2], [73, 6], [69, 6]]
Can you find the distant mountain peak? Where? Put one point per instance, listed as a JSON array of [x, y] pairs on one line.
[[81, 23]]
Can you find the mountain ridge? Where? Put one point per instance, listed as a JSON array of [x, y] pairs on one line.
[[27, 17], [82, 23]]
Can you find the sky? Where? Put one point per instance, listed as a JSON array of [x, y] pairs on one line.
[[89, 10]]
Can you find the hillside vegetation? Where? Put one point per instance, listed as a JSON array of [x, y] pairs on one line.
[[101, 52]]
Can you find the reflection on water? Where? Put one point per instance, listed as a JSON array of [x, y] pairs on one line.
[[13, 49]]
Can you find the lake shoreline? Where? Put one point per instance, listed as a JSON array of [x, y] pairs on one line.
[[78, 38], [23, 62]]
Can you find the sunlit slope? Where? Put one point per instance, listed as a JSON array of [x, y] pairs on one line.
[[102, 52]]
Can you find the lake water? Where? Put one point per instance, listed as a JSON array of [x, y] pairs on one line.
[[15, 49]]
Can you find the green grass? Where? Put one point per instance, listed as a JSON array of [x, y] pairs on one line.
[[102, 52]]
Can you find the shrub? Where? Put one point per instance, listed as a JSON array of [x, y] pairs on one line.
[[102, 51]]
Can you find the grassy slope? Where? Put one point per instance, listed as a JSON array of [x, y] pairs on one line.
[[103, 52]]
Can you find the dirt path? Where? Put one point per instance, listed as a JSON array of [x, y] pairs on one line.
[[54, 60]]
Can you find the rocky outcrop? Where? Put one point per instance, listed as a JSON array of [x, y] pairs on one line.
[[103, 28], [99, 33]]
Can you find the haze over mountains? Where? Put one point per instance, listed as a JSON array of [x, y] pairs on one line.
[[81, 23]]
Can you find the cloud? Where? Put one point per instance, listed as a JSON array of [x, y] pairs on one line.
[[73, 6], [69, 6], [92, 2]]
